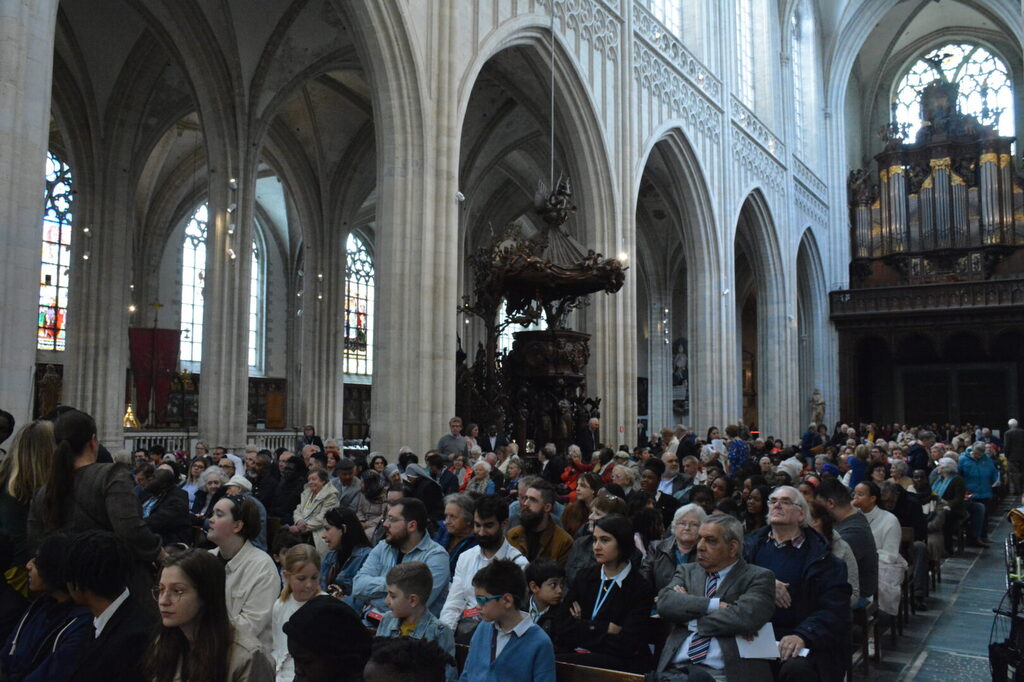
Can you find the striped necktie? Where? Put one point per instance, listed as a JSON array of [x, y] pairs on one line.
[[699, 646]]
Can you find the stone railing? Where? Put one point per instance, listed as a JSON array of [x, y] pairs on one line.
[[758, 131], [658, 36], [927, 298], [173, 441]]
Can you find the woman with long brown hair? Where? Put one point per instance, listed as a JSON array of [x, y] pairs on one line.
[[196, 641], [24, 471]]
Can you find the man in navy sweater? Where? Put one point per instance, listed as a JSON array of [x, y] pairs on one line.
[[812, 595]]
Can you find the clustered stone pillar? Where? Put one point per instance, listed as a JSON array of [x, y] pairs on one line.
[[26, 67]]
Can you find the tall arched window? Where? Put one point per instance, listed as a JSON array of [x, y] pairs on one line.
[[358, 358], [745, 51], [54, 273], [983, 79], [193, 280], [805, 82]]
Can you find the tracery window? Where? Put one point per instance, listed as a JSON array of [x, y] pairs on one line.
[[983, 79], [745, 50], [193, 281], [668, 12], [55, 262], [803, 48], [359, 276]]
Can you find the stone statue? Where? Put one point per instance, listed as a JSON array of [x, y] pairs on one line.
[[817, 407]]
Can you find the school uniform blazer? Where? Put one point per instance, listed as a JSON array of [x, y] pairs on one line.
[[117, 653], [750, 592]]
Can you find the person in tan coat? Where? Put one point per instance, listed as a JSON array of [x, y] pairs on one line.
[[538, 536], [318, 497]]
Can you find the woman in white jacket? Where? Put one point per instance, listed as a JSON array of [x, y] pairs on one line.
[[252, 582], [317, 498]]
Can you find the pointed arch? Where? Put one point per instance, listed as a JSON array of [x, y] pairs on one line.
[[812, 316]]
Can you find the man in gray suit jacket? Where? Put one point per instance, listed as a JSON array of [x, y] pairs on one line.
[[709, 604]]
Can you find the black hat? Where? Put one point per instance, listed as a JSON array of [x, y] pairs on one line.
[[327, 626]]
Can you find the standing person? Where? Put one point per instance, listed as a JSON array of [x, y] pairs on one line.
[[980, 476], [1013, 448], [82, 494], [347, 550], [589, 438], [252, 582], [301, 571], [609, 606], [453, 443], [98, 569], [493, 440], [406, 539], [708, 604], [508, 645], [309, 437], [24, 470], [472, 435], [490, 522], [46, 642], [316, 499], [196, 640]]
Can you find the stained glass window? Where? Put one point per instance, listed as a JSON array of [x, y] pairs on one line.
[[745, 50], [193, 281], [54, 273], [358, 358], [668, 12], [982, 77]]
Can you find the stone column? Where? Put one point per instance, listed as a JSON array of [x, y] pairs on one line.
[[417, 245], [323, 350], [661, 359], [224, 373], [97, 351], [26, 68]]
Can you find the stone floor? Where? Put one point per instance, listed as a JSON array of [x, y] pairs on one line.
[[949, 642]]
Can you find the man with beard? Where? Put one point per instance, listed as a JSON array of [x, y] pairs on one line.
[[490, 521], [405, 539], [539, 537], [673, 481], [264, 485]]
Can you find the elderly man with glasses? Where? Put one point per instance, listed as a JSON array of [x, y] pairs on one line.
[[812, 595]]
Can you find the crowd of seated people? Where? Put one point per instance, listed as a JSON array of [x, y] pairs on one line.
[[471, 562]]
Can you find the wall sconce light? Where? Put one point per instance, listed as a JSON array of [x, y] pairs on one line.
[[231, 254], [319, 286], [131, 308], [232, 207], [231, 228], [233, 183], [87, 250]]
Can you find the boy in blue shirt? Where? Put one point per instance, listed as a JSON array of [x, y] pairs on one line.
[[409, 586], [507, 645]]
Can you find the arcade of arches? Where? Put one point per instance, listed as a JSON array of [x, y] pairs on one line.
[[261, 218]]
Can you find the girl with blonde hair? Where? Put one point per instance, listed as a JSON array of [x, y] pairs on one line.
[[25, 470], [301, 583]]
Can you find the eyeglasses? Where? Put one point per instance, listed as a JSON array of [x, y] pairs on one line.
[[482, 601], [175, 593], [781, 502]]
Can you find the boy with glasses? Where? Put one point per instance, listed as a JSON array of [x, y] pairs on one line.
[[507, 645]]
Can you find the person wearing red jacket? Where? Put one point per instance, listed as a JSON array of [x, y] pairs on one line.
[[571, 473]]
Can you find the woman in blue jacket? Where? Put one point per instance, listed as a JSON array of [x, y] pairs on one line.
[[348, 547], [46, 642]]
